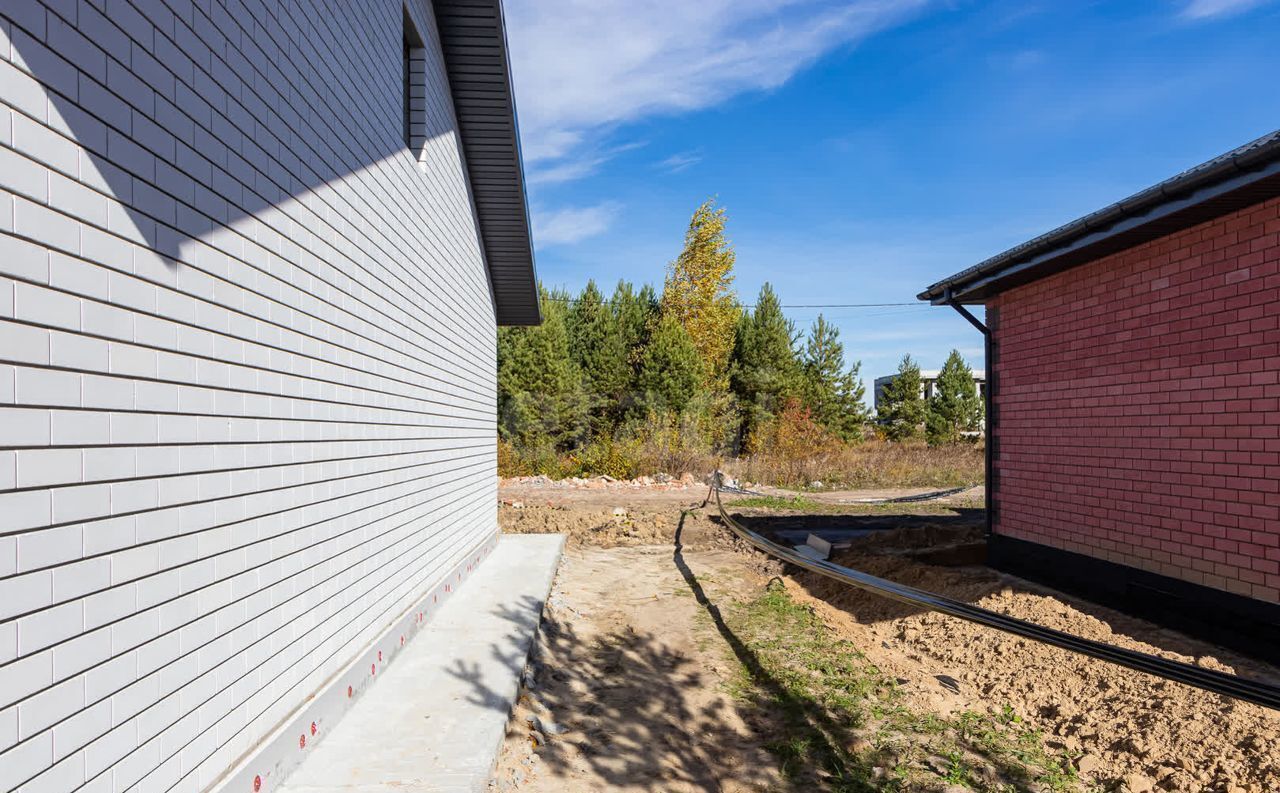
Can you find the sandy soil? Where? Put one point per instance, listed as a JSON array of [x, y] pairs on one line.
[[630, 665], [602, 492], [1127, 726]]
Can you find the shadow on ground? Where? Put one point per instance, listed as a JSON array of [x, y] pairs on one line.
[[783, 716], [630, 711], [642, 715], [768, 524]]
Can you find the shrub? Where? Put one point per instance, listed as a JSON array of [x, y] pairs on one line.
[[872, 463], [619, 458], [797, 447]]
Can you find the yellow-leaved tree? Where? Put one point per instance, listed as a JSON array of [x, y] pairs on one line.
[[698, 292]]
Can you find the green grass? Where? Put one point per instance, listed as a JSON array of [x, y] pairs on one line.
[[835, 718], [783, 502], [801, 503]]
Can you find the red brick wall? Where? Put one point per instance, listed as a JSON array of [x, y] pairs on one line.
[[1139, 406]]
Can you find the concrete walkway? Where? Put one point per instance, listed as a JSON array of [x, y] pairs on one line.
[[435, 721]]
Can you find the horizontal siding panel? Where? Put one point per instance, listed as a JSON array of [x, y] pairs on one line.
[[247, 376]]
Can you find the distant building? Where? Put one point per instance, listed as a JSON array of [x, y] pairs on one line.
[[928, 383]]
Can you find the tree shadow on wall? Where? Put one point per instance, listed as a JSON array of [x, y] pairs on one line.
[[202, 159]]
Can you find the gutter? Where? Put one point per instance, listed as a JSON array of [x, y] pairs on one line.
[[988, 413]]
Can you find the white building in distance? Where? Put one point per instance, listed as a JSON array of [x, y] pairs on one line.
[[928, 383]]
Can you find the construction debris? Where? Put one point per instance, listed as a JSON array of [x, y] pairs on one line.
[[660, 481]]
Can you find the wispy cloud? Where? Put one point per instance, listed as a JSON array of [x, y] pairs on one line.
[[570, 169], [680, 161], [573, 224], [1208, 9], [584, 67]]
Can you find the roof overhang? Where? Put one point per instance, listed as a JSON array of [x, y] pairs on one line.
[[1240, 178], [474, 41]]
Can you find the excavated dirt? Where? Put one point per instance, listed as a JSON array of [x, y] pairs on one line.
[[611, 527], [1125, 727], [1127, 731]]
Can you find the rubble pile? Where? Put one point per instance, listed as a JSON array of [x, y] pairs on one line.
[[603, 482]]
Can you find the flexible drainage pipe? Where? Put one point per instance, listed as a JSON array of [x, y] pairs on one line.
[[1257, 692]]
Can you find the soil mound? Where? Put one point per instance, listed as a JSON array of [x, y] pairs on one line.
[[1122, 727]]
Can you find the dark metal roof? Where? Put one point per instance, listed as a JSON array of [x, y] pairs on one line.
[[1237, 179], [474, 39]]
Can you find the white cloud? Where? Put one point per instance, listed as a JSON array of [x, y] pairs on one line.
[[572, 224], [583, 67], [1206, 9], [567, 170], [680, 161]]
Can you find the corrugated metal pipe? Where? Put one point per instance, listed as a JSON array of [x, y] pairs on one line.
[[1257, 692]]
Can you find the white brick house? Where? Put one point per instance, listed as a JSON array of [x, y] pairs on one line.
[[252, 258]]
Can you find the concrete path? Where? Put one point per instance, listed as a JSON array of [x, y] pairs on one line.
[[435, 721]]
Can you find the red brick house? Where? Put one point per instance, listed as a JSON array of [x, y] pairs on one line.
[[1134, 400]]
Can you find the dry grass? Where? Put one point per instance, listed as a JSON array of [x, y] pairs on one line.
[[873, 463]]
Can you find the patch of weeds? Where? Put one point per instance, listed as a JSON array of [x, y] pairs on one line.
[[783, 502], [801, 503], [957, 769], [919, 508], [836, 722], [812, 693]]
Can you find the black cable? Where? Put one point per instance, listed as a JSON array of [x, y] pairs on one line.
[[609, 301], [1257, 692]]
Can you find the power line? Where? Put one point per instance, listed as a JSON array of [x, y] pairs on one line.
[[783, 305]]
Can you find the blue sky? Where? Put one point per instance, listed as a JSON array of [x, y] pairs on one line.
[[864, 150]]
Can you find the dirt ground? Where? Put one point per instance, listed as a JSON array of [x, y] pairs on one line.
[[628, 665], [538, 491], [633, 683]]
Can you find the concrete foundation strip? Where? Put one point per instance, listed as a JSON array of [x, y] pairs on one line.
[[1255, 691]]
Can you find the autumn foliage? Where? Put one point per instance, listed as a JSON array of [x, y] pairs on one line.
[[640, 382]]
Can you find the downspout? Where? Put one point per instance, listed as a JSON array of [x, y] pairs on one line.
[[988, 409]]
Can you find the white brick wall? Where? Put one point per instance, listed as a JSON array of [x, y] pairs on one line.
[[246, 372]]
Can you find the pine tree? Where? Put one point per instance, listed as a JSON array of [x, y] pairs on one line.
[[540, 396], [833, 395], [596, 348], [670, 370], [956, 408], [698, 292], [901, 408], [634, 313], [765, 370]]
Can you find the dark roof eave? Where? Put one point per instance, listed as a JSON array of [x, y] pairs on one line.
[[1239, 178], [473, 38]]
